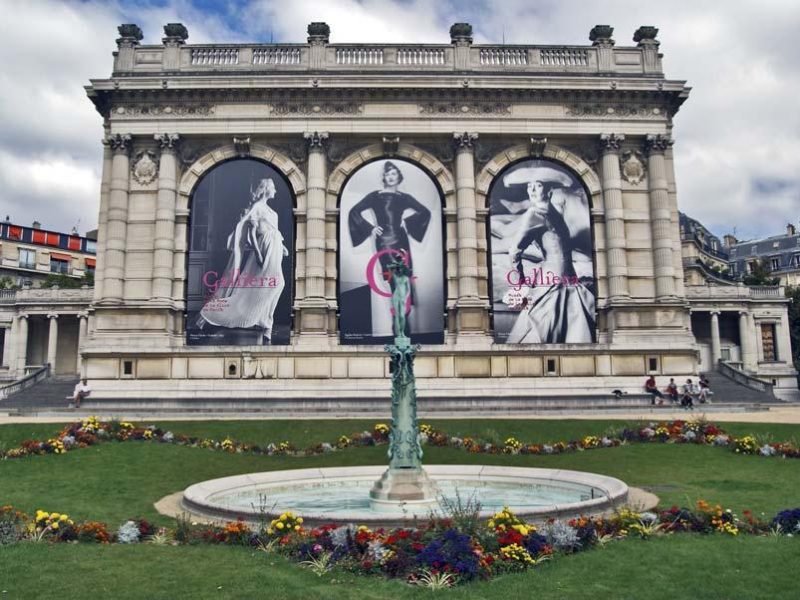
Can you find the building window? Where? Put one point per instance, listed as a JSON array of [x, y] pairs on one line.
[[27, 259], [725, 354], [775, 264], [59, 266], [91, 246], [796, 260], [768, 342]]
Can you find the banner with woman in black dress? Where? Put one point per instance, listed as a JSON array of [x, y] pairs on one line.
[[390, 209], [543, 285]]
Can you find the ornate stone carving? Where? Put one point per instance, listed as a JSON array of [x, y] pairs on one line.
[[390, 144], [119, 142], [600, 35], [632, 167], [167, 141], [176, 33], [657, 144], [242, 145], [538, 145], [646, 36], [130, 33], [315, 139], [472, 109], [289, 109], [610, 142], [144, 168], [464, 140], [615, 111], [154, 111], [461, 33], [319, 33]]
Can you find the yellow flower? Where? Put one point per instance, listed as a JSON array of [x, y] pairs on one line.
[[54, 525], [283, 517], [64, 517], [279, 525], [270, 531], [297, 527], [300, 520]]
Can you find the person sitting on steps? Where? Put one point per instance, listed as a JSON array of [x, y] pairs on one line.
[[82, 390]]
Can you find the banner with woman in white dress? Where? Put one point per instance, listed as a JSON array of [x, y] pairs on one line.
[[240, 265], [390, 210], [543, 281]]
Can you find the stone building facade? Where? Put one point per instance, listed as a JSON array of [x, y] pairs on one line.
[[318, 112]]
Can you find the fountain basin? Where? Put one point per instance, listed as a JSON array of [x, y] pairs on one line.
[[341, 494]]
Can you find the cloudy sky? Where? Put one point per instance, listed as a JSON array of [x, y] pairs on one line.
[[737, 137]]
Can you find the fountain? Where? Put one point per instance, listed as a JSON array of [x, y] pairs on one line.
[[405, 491]]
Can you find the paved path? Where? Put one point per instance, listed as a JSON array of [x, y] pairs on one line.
[[776, 414]]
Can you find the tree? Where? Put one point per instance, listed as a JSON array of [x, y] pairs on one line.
[[66, 282], [759, 275], [793, 293]]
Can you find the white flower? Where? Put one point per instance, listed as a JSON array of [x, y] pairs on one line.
[[168, 437], [128, 533]]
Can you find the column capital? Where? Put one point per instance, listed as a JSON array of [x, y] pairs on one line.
[[53, 316], [744, 313], [464, 140], [316, 140], [657, 144], [611, 142], [23, 316], [168, 142], [119, 143], [714, 313]]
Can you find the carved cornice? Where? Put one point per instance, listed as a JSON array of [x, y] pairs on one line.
[[616, 111], [657, 144], [316, 140], [610, 142], [290, 109], [470, 109], [465, 140], [157, 111], [119, 143]]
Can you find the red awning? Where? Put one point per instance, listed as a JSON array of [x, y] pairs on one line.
[[90, 262], [59, 256]]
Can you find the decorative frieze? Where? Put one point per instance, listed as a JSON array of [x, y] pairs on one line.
[[154, 111], [471, 109], [289, 109], [615, 111]]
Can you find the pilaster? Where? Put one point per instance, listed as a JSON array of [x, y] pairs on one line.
[[164, 239], [660, 217], [117, 219]]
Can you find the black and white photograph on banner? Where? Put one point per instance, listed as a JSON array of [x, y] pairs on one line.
[[543, 280], [240, 265], [390, 210]]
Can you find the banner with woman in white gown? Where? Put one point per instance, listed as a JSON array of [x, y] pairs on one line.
[[389, 210], [543, 282], [240, 267]]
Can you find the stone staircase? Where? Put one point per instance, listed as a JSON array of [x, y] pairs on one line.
[[50, 394], [729, 391]]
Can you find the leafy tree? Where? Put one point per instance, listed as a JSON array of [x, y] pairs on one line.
[[759, 275], [793, 293], [6, 283], [66, 282]]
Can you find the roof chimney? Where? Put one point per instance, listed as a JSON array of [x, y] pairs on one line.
[[790, 230], [729, 240], [36, 225]]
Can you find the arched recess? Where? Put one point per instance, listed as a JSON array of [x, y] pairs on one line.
[[483, 182], [435, 168], [194, 174]]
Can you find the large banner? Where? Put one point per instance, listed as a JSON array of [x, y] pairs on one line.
[[240, 269], [543, 284], [390, 210]]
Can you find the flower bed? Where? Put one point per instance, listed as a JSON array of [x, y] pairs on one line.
[[92, 431], [441, 553]]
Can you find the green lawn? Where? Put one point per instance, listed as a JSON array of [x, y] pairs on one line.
[[115, 481]]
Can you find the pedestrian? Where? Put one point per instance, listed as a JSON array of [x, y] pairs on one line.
[[687, 399], [651, 388], [672, 391], [82, 390]]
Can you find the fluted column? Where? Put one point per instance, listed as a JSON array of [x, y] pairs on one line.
[[83, 321], [747, 341], [52, 341], [466, 216], [660, 217], [117, 220], [7, 345], [164, 242], [716, 353], [102, 221], [22, 344], [616, 246]]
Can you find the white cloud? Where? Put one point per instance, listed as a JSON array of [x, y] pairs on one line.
[[739, 126]]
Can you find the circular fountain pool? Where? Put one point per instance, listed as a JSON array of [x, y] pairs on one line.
[[342, 494]]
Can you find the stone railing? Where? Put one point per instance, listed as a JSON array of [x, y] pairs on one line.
[[8, 296], [30, 379], [728, 370], [260, 58], [55, 295], [733, 292]]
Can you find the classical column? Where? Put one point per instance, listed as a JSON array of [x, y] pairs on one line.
[[117, 219], [660, 217], [83, 321], [747, 341], [164, 242], [10, 359], [783, 340], [7, 346], [22, 344], [52, 341], [616, 247], [716, 353], [466, 216], [102, 223], [313, 317]]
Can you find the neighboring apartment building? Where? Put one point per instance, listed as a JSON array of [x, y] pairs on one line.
[[780, 254], [29, 254]]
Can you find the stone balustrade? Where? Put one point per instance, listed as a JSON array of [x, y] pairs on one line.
[[724, 292]]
